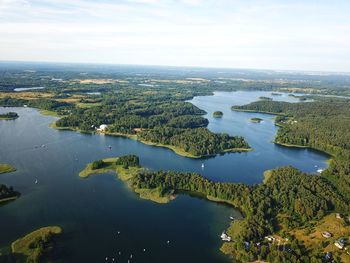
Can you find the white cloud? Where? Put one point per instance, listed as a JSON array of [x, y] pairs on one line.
[[179, 32]]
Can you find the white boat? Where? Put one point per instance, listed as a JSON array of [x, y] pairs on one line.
[[320, 170], [36, 181], [202, 165], [232, 218]]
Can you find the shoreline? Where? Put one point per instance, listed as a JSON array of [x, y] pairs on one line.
[[7, 168], [304, 147], [8, 199], [253, 111], [175, 149], [126, 175]]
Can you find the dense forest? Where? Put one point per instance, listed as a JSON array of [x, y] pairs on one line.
[[199, 141], [287, 197], [323, 124], [159, 116]]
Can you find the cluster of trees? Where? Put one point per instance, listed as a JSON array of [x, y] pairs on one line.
[[156, 119], [128, 161], [299, 197], [125, 116], [322, 124], [7, 192], [218, 114], [97, 164], [12, 102], [198, 142], [160, 114], [45, 104], [9, 115]]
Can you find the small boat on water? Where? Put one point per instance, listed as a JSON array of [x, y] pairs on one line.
[[319, 170], [36, 181], [232, 218], [110, 147], [202, 165]]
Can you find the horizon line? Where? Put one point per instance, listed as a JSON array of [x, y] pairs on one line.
[[179, 66]]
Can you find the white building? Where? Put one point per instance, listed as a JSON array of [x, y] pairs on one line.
[[102, 128]]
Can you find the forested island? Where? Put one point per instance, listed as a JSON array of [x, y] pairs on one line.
[[9, 116], [37, 246], [6, 168], [256, 120], [7, 193], [218, 114]]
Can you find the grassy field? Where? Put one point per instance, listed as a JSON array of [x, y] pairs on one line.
[[27, 248], [6, 168], [153, 195], [49, 113], [312, 237]]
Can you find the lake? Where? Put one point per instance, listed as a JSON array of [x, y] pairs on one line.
[[92, 211]]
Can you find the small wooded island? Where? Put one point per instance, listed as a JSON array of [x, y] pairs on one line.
[[6, 168], [7, 193], [218, 114], [9, 116], [37, 246], [256, 120]]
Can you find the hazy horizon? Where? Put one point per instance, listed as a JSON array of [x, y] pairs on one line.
[[267, 35]]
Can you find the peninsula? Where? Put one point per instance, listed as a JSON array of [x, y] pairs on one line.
[[162, 186]]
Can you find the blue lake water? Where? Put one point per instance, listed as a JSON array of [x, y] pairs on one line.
[[93, 210]]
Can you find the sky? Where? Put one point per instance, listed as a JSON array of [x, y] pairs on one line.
[[258, 34]]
